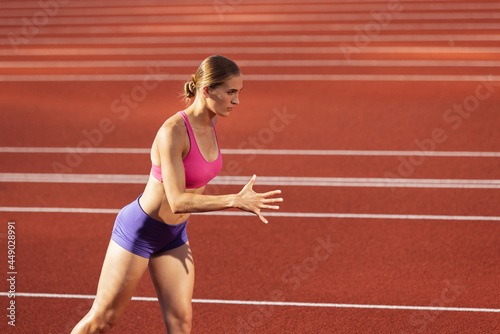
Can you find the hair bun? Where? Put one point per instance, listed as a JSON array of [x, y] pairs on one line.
[[190, 87]]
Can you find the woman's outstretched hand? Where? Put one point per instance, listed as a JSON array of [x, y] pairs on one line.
[[249, 200]]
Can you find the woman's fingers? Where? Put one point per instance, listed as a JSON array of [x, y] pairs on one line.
[[272, 200], [248, 187], [251, 182], [270, 207], [264, 220], [260, 201], [271, 193], [266, 201]]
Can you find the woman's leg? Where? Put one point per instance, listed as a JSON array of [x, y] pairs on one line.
[[172, 273], [120, 275]]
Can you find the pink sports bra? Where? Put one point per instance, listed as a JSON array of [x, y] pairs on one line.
[[198, 170]]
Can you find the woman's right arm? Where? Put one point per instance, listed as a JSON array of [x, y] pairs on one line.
[[169, 143]]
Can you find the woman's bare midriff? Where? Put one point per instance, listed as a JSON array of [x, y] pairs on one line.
[[154, 202]]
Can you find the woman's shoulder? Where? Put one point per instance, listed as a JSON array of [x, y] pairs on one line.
[[174, 125], [172, 131]]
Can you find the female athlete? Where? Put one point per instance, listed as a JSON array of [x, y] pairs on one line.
[[150, 232]]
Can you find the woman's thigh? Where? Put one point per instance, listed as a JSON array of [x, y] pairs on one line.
[[172, 273], [121, 272]]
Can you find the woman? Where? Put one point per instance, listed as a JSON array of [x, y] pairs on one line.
[[151, 231]]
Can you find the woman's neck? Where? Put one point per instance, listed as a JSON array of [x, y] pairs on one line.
[[200, 114]]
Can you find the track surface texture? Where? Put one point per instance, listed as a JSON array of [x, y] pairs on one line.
[[378, 120]]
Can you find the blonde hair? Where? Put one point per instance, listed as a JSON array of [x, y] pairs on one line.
[[213, 71]]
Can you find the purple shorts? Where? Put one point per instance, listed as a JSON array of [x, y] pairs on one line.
[[142, 235]]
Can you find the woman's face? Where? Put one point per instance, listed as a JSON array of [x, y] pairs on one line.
[[222, 99]]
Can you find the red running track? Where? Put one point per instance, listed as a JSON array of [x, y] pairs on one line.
[[420, 83]]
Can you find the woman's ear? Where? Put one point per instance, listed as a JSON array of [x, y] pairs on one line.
[[205, 91]]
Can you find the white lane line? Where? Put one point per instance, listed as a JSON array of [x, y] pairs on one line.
[[315, 215], [154, 4], [206, 29], [246, 7], [105, 150], [360, 153], [256, 18], [250, 77], [356, 216], [262, 180], [73, 41], [74, 178], [81, 51], [250, 302], [91, 150], [252, 39], [249, 63], [57, 210], [359, 182]]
